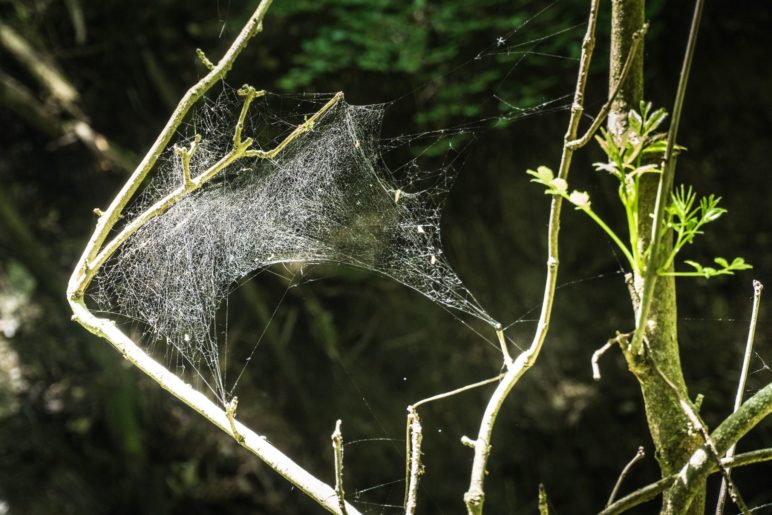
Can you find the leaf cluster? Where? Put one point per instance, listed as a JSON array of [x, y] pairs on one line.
[[636, 151]]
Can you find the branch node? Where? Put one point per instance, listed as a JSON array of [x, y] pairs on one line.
[[503, 345], [465, 440], [204, 59], [230, 413], [98, 212], [337, 447]]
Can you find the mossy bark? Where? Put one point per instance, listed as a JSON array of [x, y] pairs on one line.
[[673, 436]]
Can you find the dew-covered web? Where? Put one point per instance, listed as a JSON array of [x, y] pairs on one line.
[[326, 198]]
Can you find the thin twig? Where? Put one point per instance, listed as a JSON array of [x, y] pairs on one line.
[[415, 468], [474, 498], [603, 113], [462, 389], [757, 287], [239, 151], [544, 506], [618, 339], [664, 189], [337, 449], [639, 455]]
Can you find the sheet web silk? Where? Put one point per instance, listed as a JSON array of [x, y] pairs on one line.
[[326, 198]]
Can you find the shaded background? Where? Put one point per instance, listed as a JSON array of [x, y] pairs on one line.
[[81, 432]]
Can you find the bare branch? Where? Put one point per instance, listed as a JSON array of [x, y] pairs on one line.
[[320, 492], [113, 213], [230, 412], [94, 256], [625, 471], [463, 389], [757, 287], [618, 339], [544, 507], [603, 113], [337, 449], [415, 468], [474, 498]]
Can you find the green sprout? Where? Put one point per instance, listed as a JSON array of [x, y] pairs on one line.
[[637, 151]]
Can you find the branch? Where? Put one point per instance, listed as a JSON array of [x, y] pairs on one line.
[[544, 507], [91, 259], [113, 213], [651, 491], [757, 287], [475, 495], [728, 433], [41, 67], [337, 449], [415, 468], [239, 151], [619, 339], [699, 425], [625, 471], [603, 113], [320, 492], [664, 188]]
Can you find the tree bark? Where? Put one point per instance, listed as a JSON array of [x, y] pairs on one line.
[[673, 437]]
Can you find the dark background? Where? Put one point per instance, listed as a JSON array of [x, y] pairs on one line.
[[82, 432]]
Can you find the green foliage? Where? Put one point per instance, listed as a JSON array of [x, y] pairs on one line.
[[637, 151], [423, 42]]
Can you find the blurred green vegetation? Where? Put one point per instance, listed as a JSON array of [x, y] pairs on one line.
[[80, 432]]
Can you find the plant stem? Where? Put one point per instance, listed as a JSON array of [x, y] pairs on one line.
[[598, 220], [474, 498], [665, 186], [757, 287]]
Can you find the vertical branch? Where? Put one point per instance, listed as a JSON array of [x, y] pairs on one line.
[[544, 507], [757, 287], [337, 449], [475, 495], [414, 466], [665, 186]]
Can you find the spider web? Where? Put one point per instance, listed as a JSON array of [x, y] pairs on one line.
[[326, 198]]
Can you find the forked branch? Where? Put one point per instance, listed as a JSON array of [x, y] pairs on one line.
[[651, 491], [475, 496], [96, 254]]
